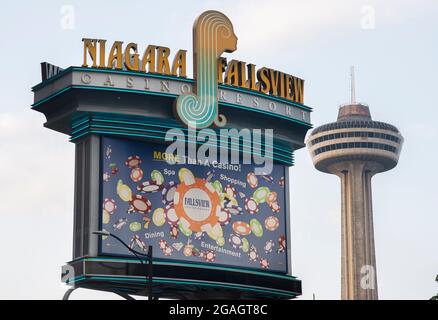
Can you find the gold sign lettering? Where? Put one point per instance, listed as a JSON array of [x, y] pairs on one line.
[[156, 59]]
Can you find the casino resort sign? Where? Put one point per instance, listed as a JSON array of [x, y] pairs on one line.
[[197, 103]]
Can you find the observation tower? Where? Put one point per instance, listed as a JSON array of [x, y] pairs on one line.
[[355, 148]]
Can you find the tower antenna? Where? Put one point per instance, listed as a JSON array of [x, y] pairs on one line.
[[353, 86]]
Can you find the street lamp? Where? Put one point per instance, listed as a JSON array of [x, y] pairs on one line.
[[138, 255]]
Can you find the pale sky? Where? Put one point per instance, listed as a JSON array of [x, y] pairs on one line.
[[395, 57]]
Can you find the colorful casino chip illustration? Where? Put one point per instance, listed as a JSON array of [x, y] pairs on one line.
[[256, 228], [264, 263], [106, 217], [120, 223], [269, 246], [174, 231], [261, 194], [136, 174], [252, 180], [253, 254], [135, 226], [159, 217], [208, 256], [194, 213], [136, 241], [114, 168], [272, 223], [251, 205], [109, 205], [235, 241], [168, 192], [196, 202], [157, 177], [148, 187], [124, 191], [241, 228], [140, 204], [133, 162], [281, 244]]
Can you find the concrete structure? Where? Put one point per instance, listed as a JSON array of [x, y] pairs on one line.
[[355, 148]]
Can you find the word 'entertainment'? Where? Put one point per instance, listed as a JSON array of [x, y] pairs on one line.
[[156, 59]]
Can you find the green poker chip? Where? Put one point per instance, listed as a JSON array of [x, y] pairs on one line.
[[217, 186], [157, 177], [261, 194], [256, 227], [185, 230], [245, 245], [135, 226], [220, 241]]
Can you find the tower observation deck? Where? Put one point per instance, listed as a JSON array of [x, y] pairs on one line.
[[355, 148]]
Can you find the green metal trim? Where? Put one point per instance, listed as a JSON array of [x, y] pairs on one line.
[[186, 282], [196, 265], [279, 152], [163, 94], [287, 161]]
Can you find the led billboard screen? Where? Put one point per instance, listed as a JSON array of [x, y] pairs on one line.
[[198, 213]]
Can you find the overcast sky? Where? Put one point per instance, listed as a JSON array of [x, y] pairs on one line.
[[392, 43]]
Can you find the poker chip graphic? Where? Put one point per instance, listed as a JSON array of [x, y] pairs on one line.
[[264, 263], [168, 192], [235, 241], [174, 231], [217, 186], [210, 175], [241, 228], [256, 228], [172, 217], [220, 241], [275, 207], [120, 223], [157, 177], [261, 194], [253, 254], [140, 204], [133, 162], [245, 245], [230, 192], [159, 217], [281, 244], [106, 217], [109, 205], [184, 227], [208, 256], [224, 216], [281, 182], [136, 174], [215, 232], [148, 187], [186, 176], [135, 226], [272, 197], [198, 203], [124, 191], [272, 223], [234, 210], [269, 246], [251, 205], [252, 180], [267, 178]]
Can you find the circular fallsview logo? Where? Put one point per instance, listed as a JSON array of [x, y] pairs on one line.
[[197, 203]]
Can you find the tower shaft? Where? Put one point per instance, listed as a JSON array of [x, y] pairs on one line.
[[358, 265]]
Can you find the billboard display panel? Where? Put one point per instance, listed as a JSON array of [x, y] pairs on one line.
[[207, 213]]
